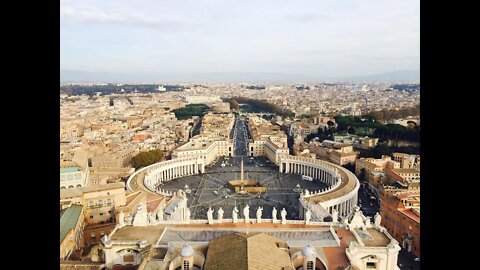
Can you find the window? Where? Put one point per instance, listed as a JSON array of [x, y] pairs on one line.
[[91, 216], [371, 265], [101, 214], [186, 265], [310, 265]]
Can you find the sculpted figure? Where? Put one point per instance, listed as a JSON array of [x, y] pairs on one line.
[[284, 216], [246, 212], [259, 214], [235, 215], [210, 215], [308, 216], [274, 215], [220, 215]]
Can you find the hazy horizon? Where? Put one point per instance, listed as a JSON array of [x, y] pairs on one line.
[[75, 76]]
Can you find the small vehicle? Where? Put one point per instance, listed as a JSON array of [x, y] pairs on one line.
[[215, 192], [417, 259]]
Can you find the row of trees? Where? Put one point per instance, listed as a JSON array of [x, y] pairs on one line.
[[264, 106], [143, 159], [344, 122], [388, 115], [371, 126], [191, 110], [234, 104], [397, 132], [323, 133]]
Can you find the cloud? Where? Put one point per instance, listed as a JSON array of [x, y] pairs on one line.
[[118, 15]]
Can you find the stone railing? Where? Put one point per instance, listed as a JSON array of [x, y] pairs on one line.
[[241, 221], [325, 190]]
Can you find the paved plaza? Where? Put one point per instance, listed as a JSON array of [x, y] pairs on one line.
[[210, 189]]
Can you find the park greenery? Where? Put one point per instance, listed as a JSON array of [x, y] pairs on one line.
[[323, 133], [143, 159], [191, 110], [388, 115], [367, 126]]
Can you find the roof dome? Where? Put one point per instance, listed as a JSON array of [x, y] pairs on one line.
[[187, 251], [309, 251]]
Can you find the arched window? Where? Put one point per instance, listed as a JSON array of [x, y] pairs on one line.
[[186, 265], [310, 265]]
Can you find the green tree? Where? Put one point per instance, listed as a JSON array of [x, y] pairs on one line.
[[351, 130], [143, 159], [381, 149]]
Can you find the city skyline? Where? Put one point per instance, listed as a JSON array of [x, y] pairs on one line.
[[295, 41]]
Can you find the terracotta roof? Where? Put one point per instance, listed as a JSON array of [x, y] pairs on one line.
[[409, 213], [129, 198], [405, 170], [247, 251]]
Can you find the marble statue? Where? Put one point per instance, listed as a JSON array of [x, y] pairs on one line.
[[307, 193], [235, 214], [377, 219], [259, 214], [210, 215], [187, 214], [308, 216], [246, 212], [274, 214], [181, 194], [334, 215], [283, 213], [220, 214]]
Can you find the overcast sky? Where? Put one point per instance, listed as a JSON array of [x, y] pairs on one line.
[[317, 38]]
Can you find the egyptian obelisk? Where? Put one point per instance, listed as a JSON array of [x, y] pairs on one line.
[[241, 176]]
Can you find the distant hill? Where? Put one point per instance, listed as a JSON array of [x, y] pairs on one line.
[[402, 75], [76, 76]]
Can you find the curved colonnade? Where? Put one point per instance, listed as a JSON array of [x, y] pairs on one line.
[[151, 176], [341, 195]]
